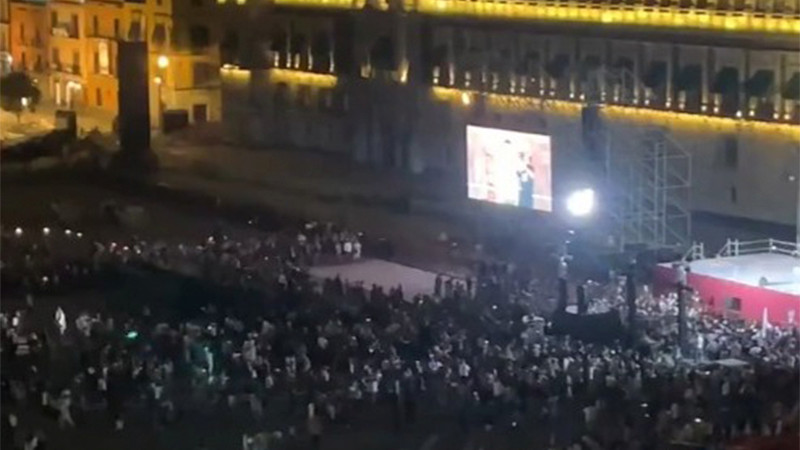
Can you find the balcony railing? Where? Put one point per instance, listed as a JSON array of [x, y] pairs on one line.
[[718, 16], [65, 30], [101, 35], [735, 247], [73, 69]]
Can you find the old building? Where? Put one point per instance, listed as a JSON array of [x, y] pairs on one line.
[[29, 39], [397, 83], [5, 38], [70, 47]]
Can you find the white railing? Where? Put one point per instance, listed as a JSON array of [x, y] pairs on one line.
[[735, 247], [696, 252]]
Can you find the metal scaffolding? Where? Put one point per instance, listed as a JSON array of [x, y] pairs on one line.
[[649, 178]]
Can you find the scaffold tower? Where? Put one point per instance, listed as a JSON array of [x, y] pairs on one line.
[[650, 181]]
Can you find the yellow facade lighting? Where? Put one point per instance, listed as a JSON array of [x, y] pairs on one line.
[[629, 15], [676, 119], [234, 73], [288, 76], [332, 4]]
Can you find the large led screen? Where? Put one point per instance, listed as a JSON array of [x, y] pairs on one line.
[[509, 168]]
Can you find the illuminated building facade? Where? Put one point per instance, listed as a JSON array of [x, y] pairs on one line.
[[6, 60], [396, 83], [70, 47], [29, 38]]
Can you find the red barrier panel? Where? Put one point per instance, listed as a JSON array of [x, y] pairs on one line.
[[753, 300]]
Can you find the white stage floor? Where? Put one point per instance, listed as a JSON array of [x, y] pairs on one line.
[[382, 273], [781, 271]]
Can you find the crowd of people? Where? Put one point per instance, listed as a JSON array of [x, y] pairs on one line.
[[475, 352]]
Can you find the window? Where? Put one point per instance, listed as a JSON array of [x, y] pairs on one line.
[[74, 31], [200, 113], [730, 145], [96, 26], [159, 34], [76, 62], [22, 32], [325, 100], [734, 195], [56, 57], [24, 62], [199, 36], [99, 95], [304, 96], [281, 96], [135, 32], [204, 73], [103, 59], [229, 47], [733, 304], [53, 19], [116, 28]]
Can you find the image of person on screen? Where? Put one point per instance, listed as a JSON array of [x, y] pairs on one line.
[[525, 176]]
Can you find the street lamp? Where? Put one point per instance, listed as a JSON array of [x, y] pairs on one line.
[[162, 62]]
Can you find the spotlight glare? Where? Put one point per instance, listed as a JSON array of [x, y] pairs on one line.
[[581, 202]]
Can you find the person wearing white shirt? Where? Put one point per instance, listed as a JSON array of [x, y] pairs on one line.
[[61, 320], [463, 369]]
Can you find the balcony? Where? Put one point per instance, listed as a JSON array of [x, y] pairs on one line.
[[101, 35], [65, 30], [73, 69], [36, 42]]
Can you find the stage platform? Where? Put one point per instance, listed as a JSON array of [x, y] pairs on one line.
[[782, 272], [382, 273], [733, 284]]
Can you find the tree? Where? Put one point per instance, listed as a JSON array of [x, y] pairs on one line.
[[15, 87]]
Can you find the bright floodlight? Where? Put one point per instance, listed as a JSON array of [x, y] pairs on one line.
[[162, 61], [581, 202]]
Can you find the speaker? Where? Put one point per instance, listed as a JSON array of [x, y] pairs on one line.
[[593, 133], [344, 42], [134, 97]]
